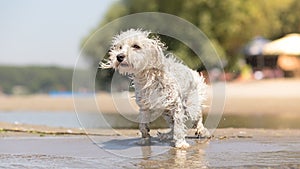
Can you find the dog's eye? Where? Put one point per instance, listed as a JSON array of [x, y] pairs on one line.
[[120, 47], [136, 46]]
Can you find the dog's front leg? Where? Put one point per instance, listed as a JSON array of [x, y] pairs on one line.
[[144, 128], [144, 119]]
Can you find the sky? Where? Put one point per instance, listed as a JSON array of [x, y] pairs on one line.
[[49, 32]]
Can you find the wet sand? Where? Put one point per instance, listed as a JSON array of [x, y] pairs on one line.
[[230, 148]]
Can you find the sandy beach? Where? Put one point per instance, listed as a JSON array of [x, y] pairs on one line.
[[279, 96]]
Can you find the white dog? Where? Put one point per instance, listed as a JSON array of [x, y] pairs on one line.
[[162, 84]]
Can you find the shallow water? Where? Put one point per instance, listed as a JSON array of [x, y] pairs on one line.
[[52, 119], [113, 120], [124, 152]]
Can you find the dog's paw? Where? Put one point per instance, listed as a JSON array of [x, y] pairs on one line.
[[203, 133], [182, 144], [164, 136]]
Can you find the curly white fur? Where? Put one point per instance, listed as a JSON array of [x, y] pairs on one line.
[[163, 85]]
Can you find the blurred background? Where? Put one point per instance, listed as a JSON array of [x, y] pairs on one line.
[[258, 43]]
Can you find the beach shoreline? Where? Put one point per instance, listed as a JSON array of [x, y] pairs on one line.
[[276, 96], [227, 149]]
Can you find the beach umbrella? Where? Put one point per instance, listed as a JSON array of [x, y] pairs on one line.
[[255, 46], [288, 45]]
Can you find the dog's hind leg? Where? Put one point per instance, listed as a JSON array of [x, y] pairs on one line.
[[194, 110], [179, 127], [200, 129]]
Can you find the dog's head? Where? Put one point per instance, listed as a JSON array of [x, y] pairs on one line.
[[133, 51]]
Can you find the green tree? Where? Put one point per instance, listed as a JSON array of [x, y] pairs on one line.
[[290, 19], [35, 79], [229, 24]]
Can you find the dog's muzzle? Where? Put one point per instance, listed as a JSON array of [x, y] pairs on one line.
[[120, 57]]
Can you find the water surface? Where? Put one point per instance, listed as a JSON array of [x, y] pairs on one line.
[[80, 152], [114, 120]]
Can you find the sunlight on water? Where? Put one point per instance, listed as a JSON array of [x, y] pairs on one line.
[[96, 120]]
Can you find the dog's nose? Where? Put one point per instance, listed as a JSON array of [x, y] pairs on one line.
[[120, 57]]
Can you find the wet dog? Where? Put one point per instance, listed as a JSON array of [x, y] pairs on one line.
[[163, 85]]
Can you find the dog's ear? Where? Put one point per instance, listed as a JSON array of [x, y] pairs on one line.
[[157, 41], [106, 62], [152, 35]]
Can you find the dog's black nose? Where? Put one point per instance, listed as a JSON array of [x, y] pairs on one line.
[[120, 57]]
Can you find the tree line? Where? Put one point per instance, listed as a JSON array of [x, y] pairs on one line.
[[35, 79], [229, 25]]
